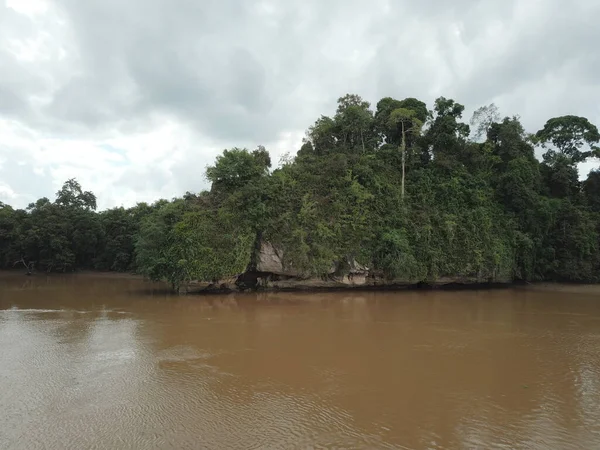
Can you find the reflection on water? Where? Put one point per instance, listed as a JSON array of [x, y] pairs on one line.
[[99, 361]]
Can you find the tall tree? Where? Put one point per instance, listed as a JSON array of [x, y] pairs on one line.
[[568, 135], [237, 167], [391, 133], [354, 119], [322, 135], [385, 106], [482, 120], [72, 195], [408, 123], [355, 195], [446, 135]]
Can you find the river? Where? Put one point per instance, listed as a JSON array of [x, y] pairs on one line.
[[113, 362]]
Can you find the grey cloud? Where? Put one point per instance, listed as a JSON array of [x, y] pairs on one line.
[[24, 81], [16, 86], [141, 180], [240, 72], [11, 104], [239, 69], [559, 36], [196, 60], [233, 69]]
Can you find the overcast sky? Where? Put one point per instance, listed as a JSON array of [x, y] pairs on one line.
[[135, 97]]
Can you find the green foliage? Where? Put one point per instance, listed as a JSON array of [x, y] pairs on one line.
[[401, 190], [156, 247], [560, 175], [236, 168], [394, 256], [446, 136], [120, 230], [404, 120], [353, 119], [72, 196], [568, 134], [591, 188], [211, 245]]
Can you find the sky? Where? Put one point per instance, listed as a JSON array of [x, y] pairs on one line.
[[135, 98]]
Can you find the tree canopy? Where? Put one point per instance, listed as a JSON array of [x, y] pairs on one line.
[[568, 134], [406, 191]]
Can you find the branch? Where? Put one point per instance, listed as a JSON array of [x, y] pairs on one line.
[[22, 261]]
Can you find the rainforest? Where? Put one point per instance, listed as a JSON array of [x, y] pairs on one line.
[[397, 192]]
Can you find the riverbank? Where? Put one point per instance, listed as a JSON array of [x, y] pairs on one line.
[[308, 285], [269, 282], [94, 273]]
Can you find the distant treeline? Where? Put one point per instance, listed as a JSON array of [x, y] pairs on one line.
[[411, 193]]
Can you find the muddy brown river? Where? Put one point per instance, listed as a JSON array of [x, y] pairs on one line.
[[113, 362]]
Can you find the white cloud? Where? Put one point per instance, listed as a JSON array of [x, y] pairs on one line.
[[28, 7], [6, 193]]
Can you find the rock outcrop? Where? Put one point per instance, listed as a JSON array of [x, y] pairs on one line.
[[269, 259]]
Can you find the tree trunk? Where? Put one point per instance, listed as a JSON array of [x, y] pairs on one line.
[[403, 150], [362, 140]]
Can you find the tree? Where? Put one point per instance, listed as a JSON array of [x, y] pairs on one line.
[[8, 223], [408, 123], [322, 135], [591, 188], [71, 195], [385, 107], [156, 247], [210, 246], [353, 119], [482, 120], [238, 167], [568, 135], [120, 227], [560, 175], [446, 136], [364, 190]]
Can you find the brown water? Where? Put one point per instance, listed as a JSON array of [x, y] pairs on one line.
[[106, 362]]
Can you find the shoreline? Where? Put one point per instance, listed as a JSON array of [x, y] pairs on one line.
[[93, 273], [209, 289]]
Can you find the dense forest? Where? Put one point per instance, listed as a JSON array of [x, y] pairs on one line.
[[409, 192]]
